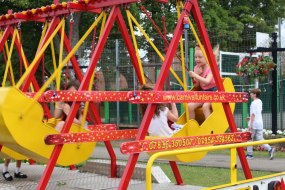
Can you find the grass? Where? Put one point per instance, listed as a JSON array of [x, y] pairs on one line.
[[277, 154], [206, 176], [211, 176]]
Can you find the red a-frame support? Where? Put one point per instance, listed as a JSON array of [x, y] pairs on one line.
[[190, 6]]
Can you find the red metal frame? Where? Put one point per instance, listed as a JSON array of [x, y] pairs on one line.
[[69, 138], [159, 86], [57, 9], [175, 170], [208, 48], [18, 44], [84, 86], [141, 97], [40, 15], [155, 145]]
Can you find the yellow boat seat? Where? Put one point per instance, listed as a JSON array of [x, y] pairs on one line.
[[216, 123], [23, 131]]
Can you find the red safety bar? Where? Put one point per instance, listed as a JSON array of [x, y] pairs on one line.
[[140, 97], [67, 138], [155, 145]]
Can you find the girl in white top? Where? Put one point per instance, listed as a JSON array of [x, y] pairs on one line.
[[159, 123]]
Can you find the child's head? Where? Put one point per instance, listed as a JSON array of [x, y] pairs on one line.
[[256, 92], [159, 107], [73, 85], [147, 87], [199, 57]]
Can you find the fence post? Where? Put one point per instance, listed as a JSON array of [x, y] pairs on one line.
[[274, 97], [117, 78]]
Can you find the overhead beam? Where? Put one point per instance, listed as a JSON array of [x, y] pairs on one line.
[[41, 14]]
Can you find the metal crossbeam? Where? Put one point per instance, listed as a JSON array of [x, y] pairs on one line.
[[41, 14], [67, 138], [163, 144], [141, 97]]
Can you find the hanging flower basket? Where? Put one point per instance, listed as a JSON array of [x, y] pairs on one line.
[[255, 67]]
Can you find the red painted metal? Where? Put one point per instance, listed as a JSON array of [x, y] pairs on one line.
[[9, 31], [41, 14], [207, 45], [31, 162], [110, 135], [50, 30], [35, 84], [163, 144], [95, 116], [140, 97], [159, 86], [72, 167], [129, 45], [5, 36], [176, 172], [75, 106], [82, 96], [102, 127]]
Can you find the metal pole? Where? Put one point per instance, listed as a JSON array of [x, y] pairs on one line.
[[280, 76], [117, 79], [186, 50], [274, 85]]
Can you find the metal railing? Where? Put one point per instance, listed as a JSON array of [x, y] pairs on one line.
[[233, 154]]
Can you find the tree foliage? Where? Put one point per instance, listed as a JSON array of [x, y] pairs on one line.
[[228, 22]]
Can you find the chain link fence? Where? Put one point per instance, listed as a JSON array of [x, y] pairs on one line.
[[115, 72]]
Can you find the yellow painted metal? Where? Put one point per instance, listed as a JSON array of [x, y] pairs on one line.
[[216, 123], [202, 149], [57, 79], [85, 111], [183, 63], [262, 178], [38, 56], [136, 46], [25, 133], [154, 47], [67, 58], [8, 63], [196, 36], [60, 66], [61, 46], [24, 59], [104, 14], [42, 36], [233, 165], [8, 153]]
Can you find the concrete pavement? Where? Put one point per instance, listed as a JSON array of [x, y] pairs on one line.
[[210, 160]]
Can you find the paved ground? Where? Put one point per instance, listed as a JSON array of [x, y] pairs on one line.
[[210, 160], [64, 179]]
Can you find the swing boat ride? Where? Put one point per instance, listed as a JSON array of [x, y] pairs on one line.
[[26, 135]]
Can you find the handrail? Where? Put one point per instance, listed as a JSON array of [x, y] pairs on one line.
[[200, 149]]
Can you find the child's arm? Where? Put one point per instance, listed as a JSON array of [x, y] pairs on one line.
[[203, 80], [252, 116], [172, 114], [66, 110], [58, 109]]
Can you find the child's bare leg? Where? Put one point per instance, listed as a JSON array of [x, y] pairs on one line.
[[59, 126], [191, 108], [207, 109]]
